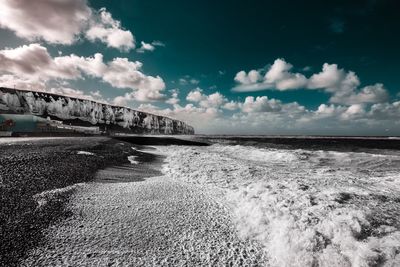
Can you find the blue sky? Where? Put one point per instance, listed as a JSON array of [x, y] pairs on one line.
[[230, 67]]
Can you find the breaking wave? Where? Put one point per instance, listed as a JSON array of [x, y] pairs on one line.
[[307, 208]]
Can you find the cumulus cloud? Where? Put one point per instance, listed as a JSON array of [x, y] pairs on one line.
[[332, 78], [145, 47], [369, 94], [13, 81], [385, 111], [231, 105], [342, 85], [214, 100], [120, 73], [195, 95], [278, 76], [104, 28], [44, 19], [326, 111], [121, 100], [62, 22], [248, 78], [173, 100], [261, 104], [149, 47], [33, 63]]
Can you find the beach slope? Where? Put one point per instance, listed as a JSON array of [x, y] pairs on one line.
[[137, 220]]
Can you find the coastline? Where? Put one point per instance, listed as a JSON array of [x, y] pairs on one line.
[[114, 193], [246, 204], [155, 220]]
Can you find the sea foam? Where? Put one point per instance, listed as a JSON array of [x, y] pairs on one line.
[[307, 208]]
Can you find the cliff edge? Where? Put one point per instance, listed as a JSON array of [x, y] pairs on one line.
[[83, 112]]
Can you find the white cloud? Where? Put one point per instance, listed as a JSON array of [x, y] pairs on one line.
[[34, 64], [214, 100], [261, 104], [231, 105], [96, 94], [14, 81], [152, 93], [354, 111], [262, 115], [54, 21], [332, 78], [278, 76], [369, 94], [66, 91], [195, 95], [63, 22], [122, 73], [247, 78], [343, 86], [386, 111], [121, 100], [149, 46], [145, 47], [158, 43], [104, 28], [149, 108], [326, 111], [173, 100]]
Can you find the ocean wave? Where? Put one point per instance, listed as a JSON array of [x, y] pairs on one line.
[[307, 208]]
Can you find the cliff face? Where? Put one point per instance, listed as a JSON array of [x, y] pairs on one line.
[[87, 112]]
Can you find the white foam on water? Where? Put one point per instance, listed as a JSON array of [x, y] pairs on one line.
[[262, 155], [132, 159], [307, 208], [85, 153]]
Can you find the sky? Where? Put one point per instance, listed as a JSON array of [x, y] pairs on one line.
[[225, 67]]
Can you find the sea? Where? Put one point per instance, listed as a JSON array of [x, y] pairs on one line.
[[308, 201]]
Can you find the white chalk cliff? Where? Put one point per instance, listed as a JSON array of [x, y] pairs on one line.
[[68, 108]]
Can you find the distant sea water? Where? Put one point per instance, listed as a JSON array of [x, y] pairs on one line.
[[309, 201]]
